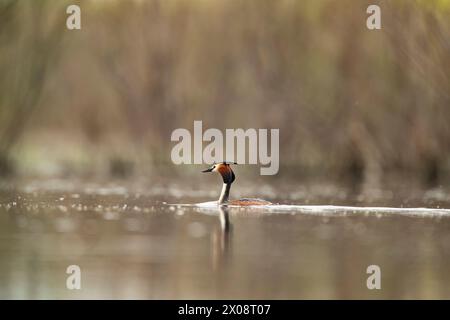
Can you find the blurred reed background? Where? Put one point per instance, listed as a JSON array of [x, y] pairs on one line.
[[103, 100]]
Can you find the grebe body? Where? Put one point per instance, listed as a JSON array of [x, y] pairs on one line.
[[228, 176], [249, 202]]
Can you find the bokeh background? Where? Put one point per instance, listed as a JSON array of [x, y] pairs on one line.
[[102, 101]]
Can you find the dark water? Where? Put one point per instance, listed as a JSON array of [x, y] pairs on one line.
[[138, 242]]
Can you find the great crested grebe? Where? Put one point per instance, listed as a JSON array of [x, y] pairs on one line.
[[224, 169]]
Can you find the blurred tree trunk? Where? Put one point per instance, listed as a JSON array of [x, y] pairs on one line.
[[28, 46]]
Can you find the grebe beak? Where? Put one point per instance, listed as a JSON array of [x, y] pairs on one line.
[[208, 170]]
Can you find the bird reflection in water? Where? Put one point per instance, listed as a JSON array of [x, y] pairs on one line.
[[220, 239]]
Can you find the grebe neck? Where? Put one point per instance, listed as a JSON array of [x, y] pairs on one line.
[[225, 193]]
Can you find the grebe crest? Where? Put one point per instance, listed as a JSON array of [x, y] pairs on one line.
[[228, 177]]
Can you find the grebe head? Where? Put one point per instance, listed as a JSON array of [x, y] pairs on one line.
[[224, 169]]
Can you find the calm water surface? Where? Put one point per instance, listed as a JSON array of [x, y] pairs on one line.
[[141, 243]]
